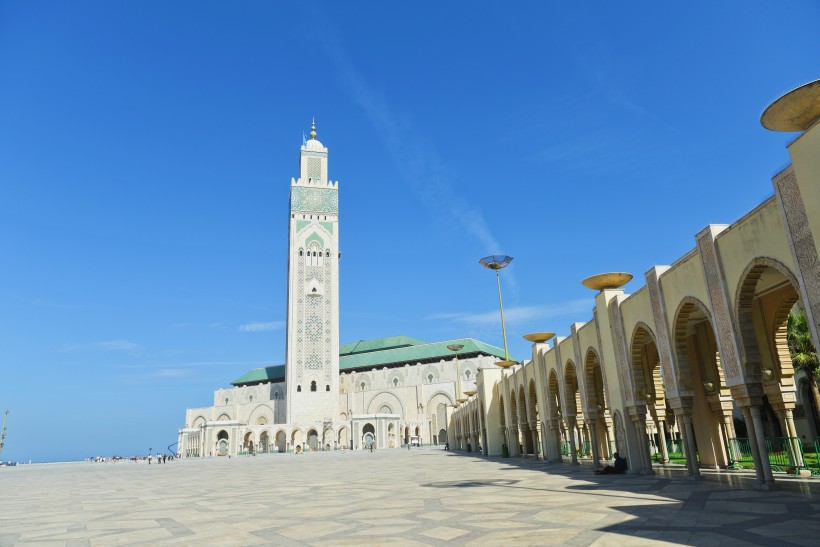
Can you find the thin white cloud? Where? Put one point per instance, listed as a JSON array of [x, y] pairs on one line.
[[516, 314], [262, 327], [419, 163], [110, 345]]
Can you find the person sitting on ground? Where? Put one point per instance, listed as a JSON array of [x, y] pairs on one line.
[[619, 467]]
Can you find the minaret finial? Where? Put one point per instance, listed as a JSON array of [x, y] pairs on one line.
[[313, 129]]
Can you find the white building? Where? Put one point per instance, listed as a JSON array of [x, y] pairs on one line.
[[328, 396]]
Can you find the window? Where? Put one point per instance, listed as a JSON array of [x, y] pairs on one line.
[[298, 388], [395, 382], [327, 387], [250, 398], [226, 400], [430, 378], [313, 385]]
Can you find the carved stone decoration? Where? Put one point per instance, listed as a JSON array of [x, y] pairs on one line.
[[668, 365], [730, 351], [600, 352], [616, 325], [801, 244]]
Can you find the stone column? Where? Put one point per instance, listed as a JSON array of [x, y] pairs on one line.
[[610, 439], [571, 426], [755, 447], [761, 444], [534, 435], [596, 456], [639, 423], [689, 446], [662, 439]]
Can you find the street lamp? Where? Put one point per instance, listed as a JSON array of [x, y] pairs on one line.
[[498, 262]]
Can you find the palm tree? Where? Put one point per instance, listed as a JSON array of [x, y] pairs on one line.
[[803, 352]]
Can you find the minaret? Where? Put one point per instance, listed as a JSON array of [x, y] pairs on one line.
[[312, 358]]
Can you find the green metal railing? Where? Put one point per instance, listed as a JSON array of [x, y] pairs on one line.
[[813, 460], [785, 454], [566, 449]]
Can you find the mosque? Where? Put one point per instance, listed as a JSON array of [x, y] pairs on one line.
[[381, 393], [692, 369]]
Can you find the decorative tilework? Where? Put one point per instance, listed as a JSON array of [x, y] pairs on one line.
[[662, 332], [315, 200], [803, 248], [725, 333]]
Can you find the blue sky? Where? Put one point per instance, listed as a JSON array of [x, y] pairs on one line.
[[146, 151]]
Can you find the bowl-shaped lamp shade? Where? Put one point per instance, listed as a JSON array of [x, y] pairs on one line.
[[496, 262], [611, 280], [536, 337], [506, 364], [797, 110]]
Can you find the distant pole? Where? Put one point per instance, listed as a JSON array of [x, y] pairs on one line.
[[3, 435]]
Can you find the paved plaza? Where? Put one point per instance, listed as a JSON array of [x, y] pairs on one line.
[[424, 497]]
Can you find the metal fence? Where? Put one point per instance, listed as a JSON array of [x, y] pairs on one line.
[[785, 454]]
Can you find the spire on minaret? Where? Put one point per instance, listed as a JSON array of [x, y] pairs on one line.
[[313, 129]]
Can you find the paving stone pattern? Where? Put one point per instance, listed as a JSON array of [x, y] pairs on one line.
[[418, 497]]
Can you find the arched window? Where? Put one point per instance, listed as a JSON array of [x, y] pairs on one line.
[[327, 387], [276, 396], [395, 382], [226, 400], [467, 374], [430, 378], [298, 388], [301, 252], [250, 398], [313, 385], [327, 253]]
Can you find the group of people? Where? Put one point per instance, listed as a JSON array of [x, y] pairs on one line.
[[159, 458]]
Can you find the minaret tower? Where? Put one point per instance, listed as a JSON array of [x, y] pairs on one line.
[[312, 361]]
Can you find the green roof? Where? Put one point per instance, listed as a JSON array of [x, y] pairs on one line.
[[414, 354], [378, 344], [259, 375], [394, 350]]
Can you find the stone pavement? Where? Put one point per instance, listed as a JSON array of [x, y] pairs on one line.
[[422, 497]]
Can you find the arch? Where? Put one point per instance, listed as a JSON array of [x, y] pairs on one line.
[[261, 411], [776, 325], [554, 395], [344, 437], [571, 386], [502, 418], [385, 398], [224, 417], [643, 356], [199, 421], [281, 441], [222, 443], [264, 441], [312, 440], [689, 309], [594, 381]]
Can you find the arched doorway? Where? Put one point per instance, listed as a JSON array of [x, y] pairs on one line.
[[264, 442], [247, 445], [698, 372], [222, 446], [281, 441], [313, 440], [344, 438], [296, 441], [368, 436]]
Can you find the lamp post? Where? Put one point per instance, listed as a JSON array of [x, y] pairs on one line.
[[456, 348], [498, 262]]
